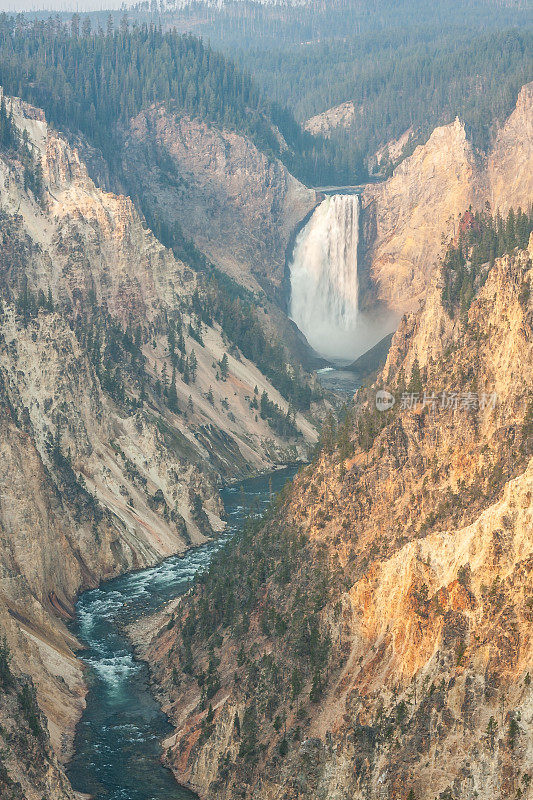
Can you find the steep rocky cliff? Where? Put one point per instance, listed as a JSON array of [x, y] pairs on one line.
[[341, 116], [121, 412], [88, 249], [29, 769], [238, 206], [510, 175], [407, 217], [378, 642]]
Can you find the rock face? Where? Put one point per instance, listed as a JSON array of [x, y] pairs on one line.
[[238, 206], [394, 148], [407, 217], [509, 167], [382, 646], [29, 769], [86, 242], [341, 116], [99, 476]]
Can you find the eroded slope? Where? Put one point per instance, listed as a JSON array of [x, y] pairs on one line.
[[378, 638], [409, 217], [124, 404]]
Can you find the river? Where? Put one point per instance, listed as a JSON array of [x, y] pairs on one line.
[[117, 743]]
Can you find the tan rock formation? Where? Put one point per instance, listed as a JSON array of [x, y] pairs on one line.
[[427, 530], [408, 217], [341, 116], [239, 206], [90, 241], [91, 487], [414, 209], [510, 172], [395, 147]]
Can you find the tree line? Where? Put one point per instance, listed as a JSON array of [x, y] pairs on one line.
[[95, 82], [482, 238]]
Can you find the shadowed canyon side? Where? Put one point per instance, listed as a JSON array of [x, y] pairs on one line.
[[238, 205], [372, 637], [123, 405]]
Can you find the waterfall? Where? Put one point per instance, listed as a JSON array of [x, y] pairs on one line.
[[323, 273]]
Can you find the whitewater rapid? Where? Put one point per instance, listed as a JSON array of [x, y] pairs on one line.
[[324, 280], [117, 745]]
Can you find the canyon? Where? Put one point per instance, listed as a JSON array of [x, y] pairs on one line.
[[402, 553], [97, 483], [378, 642], [242, 209]]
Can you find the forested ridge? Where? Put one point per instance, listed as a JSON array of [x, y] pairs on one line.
[[403, 79], [94, 82], [403, 64]]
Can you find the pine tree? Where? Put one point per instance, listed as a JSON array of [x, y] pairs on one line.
[[415, 383], [193, 365], [172, 395], [6, 676], [249, 729], [223, 364]]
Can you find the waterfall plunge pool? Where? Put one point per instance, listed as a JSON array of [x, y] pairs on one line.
[[117, 743], [324, 280], [324, 284]]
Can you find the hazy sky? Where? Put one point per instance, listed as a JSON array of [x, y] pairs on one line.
[[60, 5]]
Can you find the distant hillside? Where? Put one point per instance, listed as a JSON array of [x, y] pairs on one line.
[[95, 82], [403, 64]]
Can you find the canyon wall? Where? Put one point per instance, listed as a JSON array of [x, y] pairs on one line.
[[101, 473], [408, 216], [238, 205], [378, 640]]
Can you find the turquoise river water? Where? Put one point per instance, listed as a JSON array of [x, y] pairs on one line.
[[117, 744]]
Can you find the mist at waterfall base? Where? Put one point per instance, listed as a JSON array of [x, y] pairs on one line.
[[325, 285]]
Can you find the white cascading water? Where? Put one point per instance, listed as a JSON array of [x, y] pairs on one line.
[[324, 284]]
